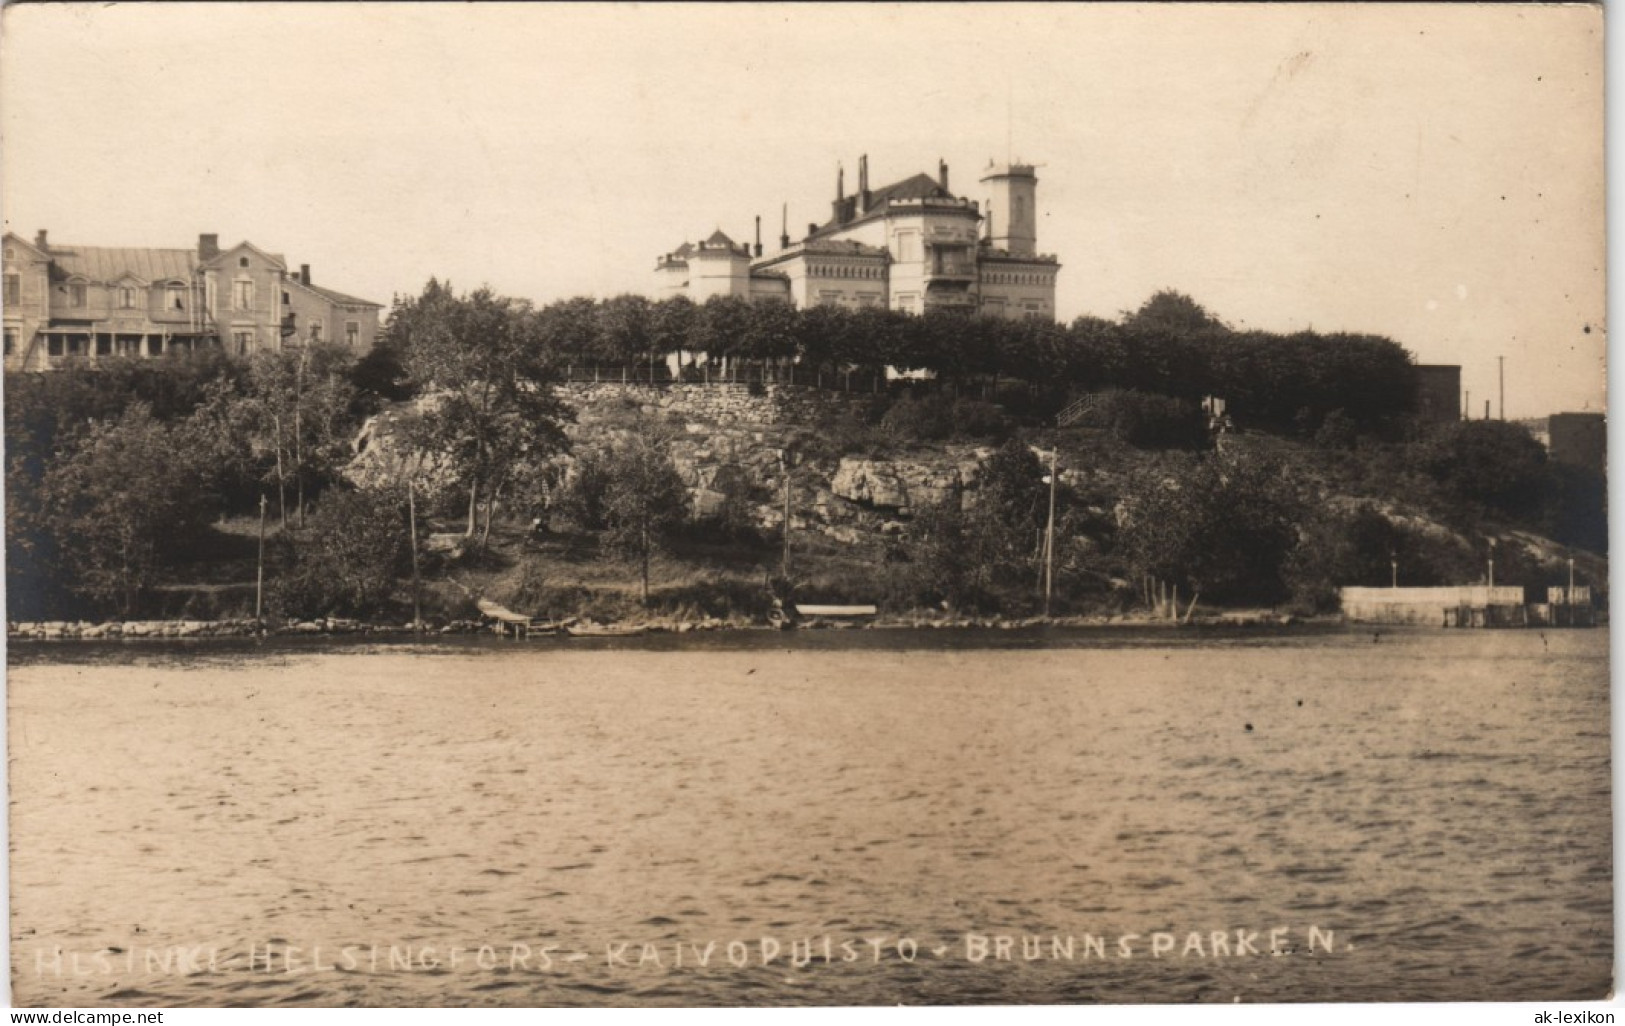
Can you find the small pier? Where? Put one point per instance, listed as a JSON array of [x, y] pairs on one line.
[[1467, 606]]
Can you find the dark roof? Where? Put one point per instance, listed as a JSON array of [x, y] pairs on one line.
[[849, 247], [719, 238], [920, 186]]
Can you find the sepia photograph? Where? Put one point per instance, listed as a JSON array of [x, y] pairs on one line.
[[847, 505]]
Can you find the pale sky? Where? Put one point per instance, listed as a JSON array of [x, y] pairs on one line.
[[1430, 173]]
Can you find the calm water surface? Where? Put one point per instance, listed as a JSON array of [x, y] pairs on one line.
[[1437, 804]]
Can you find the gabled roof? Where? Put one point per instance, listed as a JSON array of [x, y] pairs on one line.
[[275, 258], [332, 295], [109, 263], [13, 237], [920, 186], [720, 238]]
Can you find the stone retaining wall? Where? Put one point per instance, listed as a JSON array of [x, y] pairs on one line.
[[760, 405]]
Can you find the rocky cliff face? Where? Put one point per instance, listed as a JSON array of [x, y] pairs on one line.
[[906, 484], [720, 430]]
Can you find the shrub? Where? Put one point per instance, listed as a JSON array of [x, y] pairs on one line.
[[976, 419], [581, 501], [733, 519], [1147, 420], [919, 420], [1221, 528], [934, 418], [1490, 463], [347, 559]]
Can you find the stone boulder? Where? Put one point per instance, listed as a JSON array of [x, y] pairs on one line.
[[869, 482]]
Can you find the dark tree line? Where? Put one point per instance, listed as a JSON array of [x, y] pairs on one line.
[[1170, 346]]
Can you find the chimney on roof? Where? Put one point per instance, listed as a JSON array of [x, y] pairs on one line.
[[863, 184], [40, 240], [208, 247], [942, 174], [758, 234], [840, 181], [304, 274], [784, 229], [811, 228]]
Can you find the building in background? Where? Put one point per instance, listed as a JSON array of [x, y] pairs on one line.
[[65, 301], [1438, 392], [321, 314], [912, 245], [1579, 439]]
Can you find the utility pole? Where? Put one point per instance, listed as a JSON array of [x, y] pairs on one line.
[[784, 465], [1049, 536], [1501, 371], [259, 573], [417, 584]]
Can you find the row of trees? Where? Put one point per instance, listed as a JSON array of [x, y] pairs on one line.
[[1171, 346]]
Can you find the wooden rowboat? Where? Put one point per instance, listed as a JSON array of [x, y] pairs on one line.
[[593, 630], [837, 612]]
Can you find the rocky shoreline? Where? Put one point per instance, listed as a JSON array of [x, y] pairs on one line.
[[137, 630]]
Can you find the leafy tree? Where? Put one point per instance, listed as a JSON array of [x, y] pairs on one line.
[[1149, 421], [1340, 549], [644, 498], [1493, 464], [770, 333], [487, 362], [1095, 354], [379, 377], [581, 500], [623, 330], [876, 340], [822, 336], [1169, 312], [972, 556], [301, 400], [125, 497], [1220, 527], [720, 327], [348, 559], [733, 519], [564, 332], [671, 324]]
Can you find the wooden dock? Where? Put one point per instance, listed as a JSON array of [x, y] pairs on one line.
[[507, 623]]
